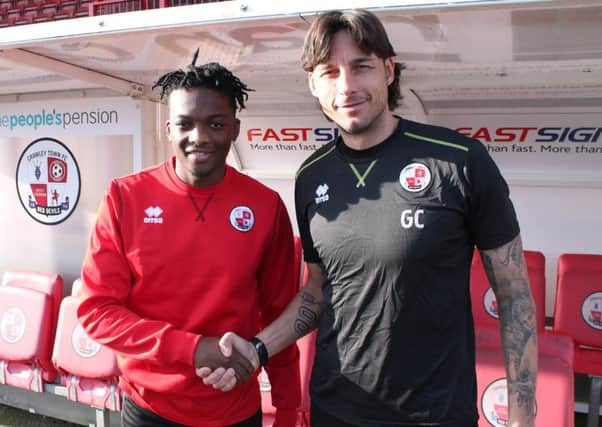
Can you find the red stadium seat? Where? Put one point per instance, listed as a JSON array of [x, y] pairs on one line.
[[64, 14], [81, 11], [32, 5], [578, 314], [555, 381], [49, 7], [25, 337], [7, 22], [70, 4], [484, 303], [66, 9], [89, 370], [43, 17], [24, 20], [48, 284]]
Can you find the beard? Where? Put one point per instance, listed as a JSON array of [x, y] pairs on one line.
[[360, 126]]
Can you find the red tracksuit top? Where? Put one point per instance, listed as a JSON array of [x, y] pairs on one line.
[[168, 263]]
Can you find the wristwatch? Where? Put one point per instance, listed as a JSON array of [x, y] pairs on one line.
[[261, 349]]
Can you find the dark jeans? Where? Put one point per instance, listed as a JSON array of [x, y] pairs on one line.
[[133, 415]]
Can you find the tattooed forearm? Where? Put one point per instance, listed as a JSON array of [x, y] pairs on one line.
[[307, 315], [523, 390], [507, 273]]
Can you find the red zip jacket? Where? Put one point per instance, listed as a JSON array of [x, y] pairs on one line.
[[169, 263]]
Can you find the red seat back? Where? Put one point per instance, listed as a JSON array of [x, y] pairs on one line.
[[47, 283], [24, 324], [578, 314], [89, 369], [578, 305], [75, 353], [555, 381], [25, 338], [484, 303]]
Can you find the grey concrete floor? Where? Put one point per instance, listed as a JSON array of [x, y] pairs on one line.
[[12, 417]]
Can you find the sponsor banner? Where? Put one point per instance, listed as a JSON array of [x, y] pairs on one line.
[[529, 143], [86, 116], [532, 143], [281, 143]]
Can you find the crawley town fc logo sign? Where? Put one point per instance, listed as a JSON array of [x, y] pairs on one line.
[[48, 181], [415, 177]]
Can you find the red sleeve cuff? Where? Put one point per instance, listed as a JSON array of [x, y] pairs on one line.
[[181, 345]]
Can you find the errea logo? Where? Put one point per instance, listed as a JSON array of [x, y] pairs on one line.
[[153, 215], [322, 194]]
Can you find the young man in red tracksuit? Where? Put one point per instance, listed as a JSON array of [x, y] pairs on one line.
[[183, 252]]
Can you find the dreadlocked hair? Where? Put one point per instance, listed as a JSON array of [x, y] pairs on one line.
[[210, 76]]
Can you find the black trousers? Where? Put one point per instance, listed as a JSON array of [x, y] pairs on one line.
[[320, 418], [133, 415]]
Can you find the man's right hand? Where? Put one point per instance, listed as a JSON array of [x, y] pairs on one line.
[[230, 363], [222, 377]]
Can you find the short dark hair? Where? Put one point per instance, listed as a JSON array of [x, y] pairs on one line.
[[366, 30], [210, 76]]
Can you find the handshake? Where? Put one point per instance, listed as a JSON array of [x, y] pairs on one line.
[[225, 362]]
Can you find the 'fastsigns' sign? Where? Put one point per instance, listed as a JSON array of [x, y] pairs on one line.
[[48, 181]]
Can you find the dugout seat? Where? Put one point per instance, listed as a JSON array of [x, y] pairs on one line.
[[48, 283], [578, 314], [555, 381], [28, 312], [88, 370], [484, 303]]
